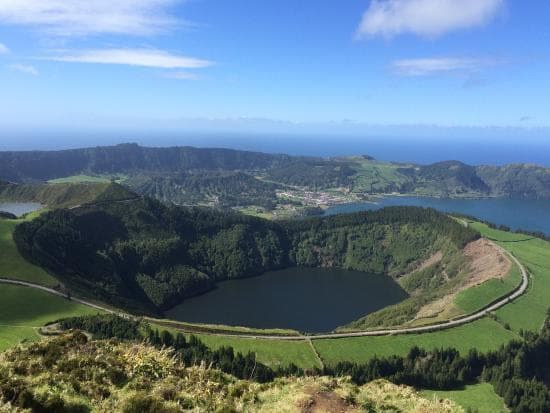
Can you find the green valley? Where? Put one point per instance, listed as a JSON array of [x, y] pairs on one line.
[[99, 241]]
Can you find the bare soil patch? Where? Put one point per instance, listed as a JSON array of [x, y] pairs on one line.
[[485, 261], [320, 401], [434, 259]]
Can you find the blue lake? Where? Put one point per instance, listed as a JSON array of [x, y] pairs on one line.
[[533, 215], [20, 208], [304, 299]]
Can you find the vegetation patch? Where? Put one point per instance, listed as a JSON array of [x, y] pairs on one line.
[[528, 311], [479, 398], [12, 264], [24, 310], [79, 179], [484, 334], [475, 298], [70, 373], [62, 195], [274, 353]]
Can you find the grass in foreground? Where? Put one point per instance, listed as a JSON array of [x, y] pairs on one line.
[[479, 397], [69, 373], [485, 334], [23, 310], [12, 264]]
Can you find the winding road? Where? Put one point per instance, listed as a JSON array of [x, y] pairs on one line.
[[408, 330]]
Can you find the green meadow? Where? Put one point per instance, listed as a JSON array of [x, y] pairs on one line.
[[23, 310], [477, 397], [475, 298], [12, 264], [271, 352], [485, 334], [528, 311]]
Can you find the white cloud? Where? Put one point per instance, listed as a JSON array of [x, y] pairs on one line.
[[88, 17], [4, 49], [181, 75], [429, 18], [432, 66], [26, 69], [133, 57]]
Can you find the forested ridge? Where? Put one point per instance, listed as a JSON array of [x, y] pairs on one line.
[[174, 166], [145, 256], [126, 158]]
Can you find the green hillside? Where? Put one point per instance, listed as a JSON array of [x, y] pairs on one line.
[[144, 256], [60, 195], [12, 264]]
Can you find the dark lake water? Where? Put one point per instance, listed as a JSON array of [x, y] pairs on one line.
[[20, 208], [304, 299], [533, 215]]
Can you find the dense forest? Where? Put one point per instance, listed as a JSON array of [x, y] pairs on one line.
[[173, 168], [145, 256]]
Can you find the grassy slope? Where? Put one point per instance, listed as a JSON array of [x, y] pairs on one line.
[[527, 312], [24, 309], [78, 179], [274, 353], [484, 334], [375, 176], [271, 352], [12, 264], [481, 397], [475, 298]]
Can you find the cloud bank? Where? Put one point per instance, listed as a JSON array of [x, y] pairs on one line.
[[91, 17], [429, 18], [4, 49], [133, 57]]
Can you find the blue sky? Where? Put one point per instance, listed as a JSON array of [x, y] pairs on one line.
[[289, 65]]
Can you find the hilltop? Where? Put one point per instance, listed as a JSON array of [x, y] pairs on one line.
[[63, 195]]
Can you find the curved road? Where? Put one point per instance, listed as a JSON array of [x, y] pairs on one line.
[[434, 327]]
